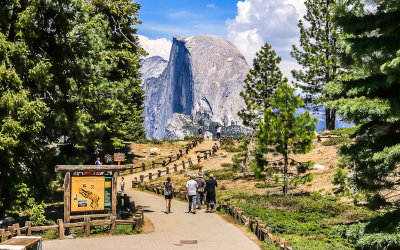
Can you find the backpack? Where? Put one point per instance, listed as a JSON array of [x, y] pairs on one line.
[[167, 188]]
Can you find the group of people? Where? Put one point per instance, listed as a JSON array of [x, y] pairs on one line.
[[218, 130], [196, 190]]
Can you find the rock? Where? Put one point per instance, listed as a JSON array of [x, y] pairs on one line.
[[155, 151], [317, 166], [7, 221], [208, 136], [199, 85]]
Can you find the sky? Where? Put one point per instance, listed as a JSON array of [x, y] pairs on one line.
[[247, 23]]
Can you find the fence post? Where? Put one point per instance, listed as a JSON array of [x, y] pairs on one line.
[[112, 229], [180, 152], [205, 156], [11, 229], [87, 227], [190, 162], [60, 229], [143, 167], [164, 163], [17, 229], [167, 170], [141, 178], [178, 156], [170, 159], [159, 173], [183, 163], [29, 230], [187, 149], [150, 176], [131, 169], [198, 158], [153, 164], [1, 235], [175, 168], [251, 222]]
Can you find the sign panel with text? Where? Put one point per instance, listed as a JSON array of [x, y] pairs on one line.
[[90, 193]]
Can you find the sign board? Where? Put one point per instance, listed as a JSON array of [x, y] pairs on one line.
[[90, 193], [119, 157]]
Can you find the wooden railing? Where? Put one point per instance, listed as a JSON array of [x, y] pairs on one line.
[[169, 159], [254, 224], [16, 230]]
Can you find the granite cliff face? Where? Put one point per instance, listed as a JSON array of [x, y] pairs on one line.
[[198, 86]]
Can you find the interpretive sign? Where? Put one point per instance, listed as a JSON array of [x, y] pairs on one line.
[[119, 157], [90, 193]]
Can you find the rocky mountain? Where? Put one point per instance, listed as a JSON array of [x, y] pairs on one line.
[[198, 86]]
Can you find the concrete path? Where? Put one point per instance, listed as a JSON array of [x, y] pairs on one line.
[[210, 230]]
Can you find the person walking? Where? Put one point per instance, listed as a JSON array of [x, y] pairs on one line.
[[168, 193], [191, 193], [211, 184], [122, 184], [219, 131], [201, 185]]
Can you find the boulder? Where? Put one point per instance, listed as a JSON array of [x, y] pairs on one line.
[[208, 136]]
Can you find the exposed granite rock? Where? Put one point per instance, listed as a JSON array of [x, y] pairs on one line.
[[202, 81]]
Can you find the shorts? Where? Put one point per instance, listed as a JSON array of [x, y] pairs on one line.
[[168, 197]]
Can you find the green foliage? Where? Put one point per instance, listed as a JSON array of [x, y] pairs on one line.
[[24, 204], [369, 98], [320, 41], [284, 132], [333, 141], [68, 69], [221, 174], [345, 132], [382, 232], [226, 165], [260, 83]]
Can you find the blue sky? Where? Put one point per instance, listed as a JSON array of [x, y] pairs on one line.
[[246, 23], [164, 19]]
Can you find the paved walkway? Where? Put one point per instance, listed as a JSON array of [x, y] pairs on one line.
[[210, 230]]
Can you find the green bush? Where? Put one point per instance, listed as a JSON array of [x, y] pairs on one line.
[[226, 165], [345, 132], [333, 141], [221, 174]]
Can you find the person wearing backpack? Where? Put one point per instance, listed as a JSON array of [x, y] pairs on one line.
[[168, 193], [201, 185], [211, 184]]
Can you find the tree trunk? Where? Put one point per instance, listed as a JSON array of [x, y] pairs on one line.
[[285, 174], [330, 119]]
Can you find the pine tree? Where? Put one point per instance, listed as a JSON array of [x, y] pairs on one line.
[[319, 55], [260, 83], [371, 99], [73, 67], [284, 132]]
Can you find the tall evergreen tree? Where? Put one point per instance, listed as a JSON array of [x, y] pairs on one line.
[[283, 131], [260, 83], [73, 67], [372, 99], [319, 54]]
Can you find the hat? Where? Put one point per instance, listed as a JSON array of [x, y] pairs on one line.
[[200, 174], [211, 175]]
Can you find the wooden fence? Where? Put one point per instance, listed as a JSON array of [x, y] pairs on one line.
[[254, 224], [169, 159], [183, 165], [16, 230]]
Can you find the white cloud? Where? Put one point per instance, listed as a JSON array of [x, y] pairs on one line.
[[272, 21], [157, 47], [211, 5]]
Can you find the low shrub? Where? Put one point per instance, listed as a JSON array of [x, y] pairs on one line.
[[333, 141], [226, 165]]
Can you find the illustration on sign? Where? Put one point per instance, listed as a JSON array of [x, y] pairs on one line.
[[90, 193]]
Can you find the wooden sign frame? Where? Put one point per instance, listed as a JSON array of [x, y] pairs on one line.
[[68, 169]]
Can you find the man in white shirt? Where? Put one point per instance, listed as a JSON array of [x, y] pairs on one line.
[[191, 192]]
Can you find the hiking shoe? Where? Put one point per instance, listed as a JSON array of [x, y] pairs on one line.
[[194, 212]]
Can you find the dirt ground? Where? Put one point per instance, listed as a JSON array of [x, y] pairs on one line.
[[325, 156]]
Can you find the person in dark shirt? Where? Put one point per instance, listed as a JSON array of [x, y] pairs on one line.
[[211, 184]]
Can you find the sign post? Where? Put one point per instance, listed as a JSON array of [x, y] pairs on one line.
[[118, 157]]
